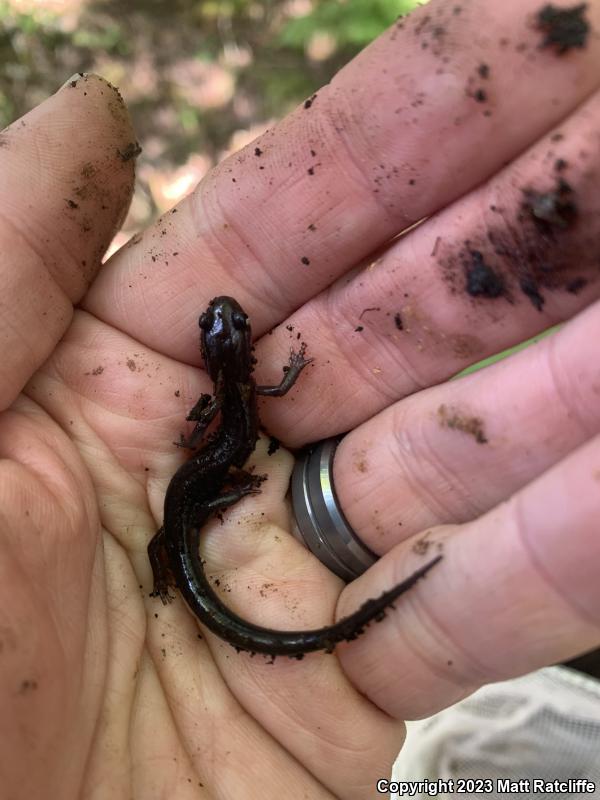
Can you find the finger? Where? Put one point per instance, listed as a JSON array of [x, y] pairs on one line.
[[489, 271], [66, 182], [274, 224], [450, 453], [516, 590]]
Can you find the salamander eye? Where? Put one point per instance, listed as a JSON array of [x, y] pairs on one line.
[[205, 321], [239, 320]]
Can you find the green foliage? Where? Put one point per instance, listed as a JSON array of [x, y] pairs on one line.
[[34, 47], [107, 39], [354, 22]]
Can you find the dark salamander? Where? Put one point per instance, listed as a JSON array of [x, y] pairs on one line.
[[214, 479]]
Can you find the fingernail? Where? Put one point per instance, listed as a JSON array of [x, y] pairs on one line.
[[72, 82]]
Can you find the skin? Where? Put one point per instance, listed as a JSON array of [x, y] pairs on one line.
[[103, 694]]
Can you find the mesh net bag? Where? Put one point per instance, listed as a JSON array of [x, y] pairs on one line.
[[542, 727]]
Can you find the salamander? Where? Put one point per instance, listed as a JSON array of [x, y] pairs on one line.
[[214, 478]]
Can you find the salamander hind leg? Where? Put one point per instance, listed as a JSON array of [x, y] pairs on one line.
[[245, 480], [161, 570], [242, 484]]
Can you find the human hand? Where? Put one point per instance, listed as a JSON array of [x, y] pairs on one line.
[[103, 708], [104, 690]]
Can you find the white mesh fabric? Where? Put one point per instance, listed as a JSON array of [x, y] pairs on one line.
[[545, 725]]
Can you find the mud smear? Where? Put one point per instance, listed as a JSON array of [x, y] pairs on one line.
[[541, 245], [452, 418]]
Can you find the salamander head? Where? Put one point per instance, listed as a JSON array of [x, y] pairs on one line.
[[226, 340]]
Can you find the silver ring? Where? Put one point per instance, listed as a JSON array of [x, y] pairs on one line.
[[319, 521]]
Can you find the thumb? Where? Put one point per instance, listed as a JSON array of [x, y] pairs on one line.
[[66, 179]]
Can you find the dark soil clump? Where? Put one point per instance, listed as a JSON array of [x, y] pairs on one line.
[[482, 280], [555, 209], [564, 28]]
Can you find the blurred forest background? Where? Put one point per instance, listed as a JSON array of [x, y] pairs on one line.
[[200, 78]]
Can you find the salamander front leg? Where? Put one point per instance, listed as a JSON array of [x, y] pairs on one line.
[[291, 371], [163, 576], [202, 414]]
